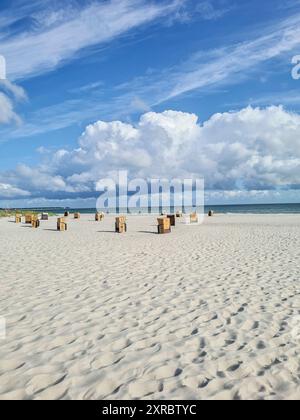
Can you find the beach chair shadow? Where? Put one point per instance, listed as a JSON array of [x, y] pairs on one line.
[[147, 231]]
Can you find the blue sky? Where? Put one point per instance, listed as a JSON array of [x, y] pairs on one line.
[[205, 84]]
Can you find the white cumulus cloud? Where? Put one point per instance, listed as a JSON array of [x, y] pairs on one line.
[[8, 191], [252, 149]]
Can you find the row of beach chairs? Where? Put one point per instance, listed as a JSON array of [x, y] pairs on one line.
[[165, 223], [34, 220]]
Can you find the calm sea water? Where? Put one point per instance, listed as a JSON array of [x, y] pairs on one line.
[[244, 209]]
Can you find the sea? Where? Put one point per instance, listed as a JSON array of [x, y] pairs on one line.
[[223, 209]]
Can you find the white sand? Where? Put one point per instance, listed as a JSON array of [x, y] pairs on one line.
[[207, 312]]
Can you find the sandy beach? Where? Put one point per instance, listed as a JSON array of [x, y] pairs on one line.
[[207, 312]]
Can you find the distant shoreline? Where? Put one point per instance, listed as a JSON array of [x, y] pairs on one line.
[[218, 209]]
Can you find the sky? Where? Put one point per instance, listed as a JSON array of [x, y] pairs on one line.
[[161, 88]]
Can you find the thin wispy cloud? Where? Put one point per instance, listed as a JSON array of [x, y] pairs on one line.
[[227, 65], [213, 10], [204, 71], [9, 94], [88, 87], [10, 88], [233, 63], [58, 35], [288, 98], [189, 10]]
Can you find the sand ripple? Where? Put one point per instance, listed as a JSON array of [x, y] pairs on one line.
[[208, 312]]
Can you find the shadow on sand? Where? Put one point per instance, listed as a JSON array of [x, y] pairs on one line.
[[147, 231]]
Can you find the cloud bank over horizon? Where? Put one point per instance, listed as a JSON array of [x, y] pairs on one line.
[[253, 150]]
